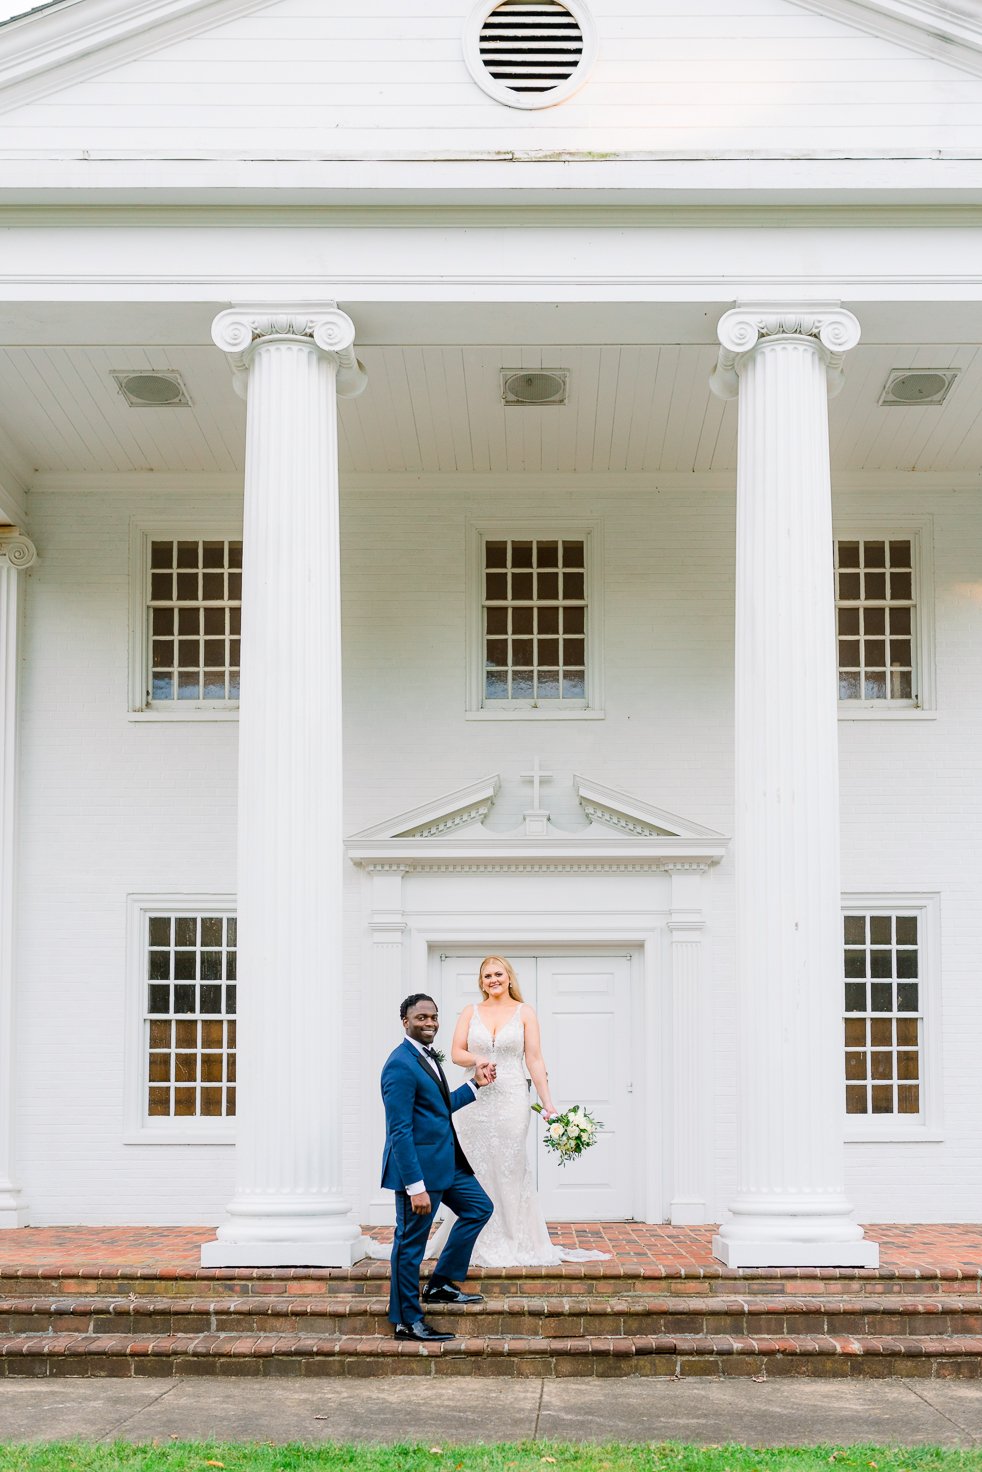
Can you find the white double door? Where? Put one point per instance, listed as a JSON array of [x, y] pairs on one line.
[[584, 1008]]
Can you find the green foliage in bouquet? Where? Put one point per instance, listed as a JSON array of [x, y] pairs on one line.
[[570, 1133]]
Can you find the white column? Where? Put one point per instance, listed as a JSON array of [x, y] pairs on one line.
[[691, 1086], [288, 1208], [790, 1208], [17, 554]]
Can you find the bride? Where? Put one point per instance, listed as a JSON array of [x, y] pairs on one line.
[[502, 1029]]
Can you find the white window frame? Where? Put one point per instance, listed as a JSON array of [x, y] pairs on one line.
[[884, 1127], [517, 530], [919, 531], [138, 1126], [142, 535]]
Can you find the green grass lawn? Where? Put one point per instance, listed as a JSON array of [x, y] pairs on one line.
[[517, 1457]]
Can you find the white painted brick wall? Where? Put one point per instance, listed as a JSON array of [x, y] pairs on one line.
[[111, 807]]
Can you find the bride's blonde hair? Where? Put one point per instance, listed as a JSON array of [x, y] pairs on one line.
[[514, 990]]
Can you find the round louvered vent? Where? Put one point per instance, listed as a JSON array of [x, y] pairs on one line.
[[530, 53]]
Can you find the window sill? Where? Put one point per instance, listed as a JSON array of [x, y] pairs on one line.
[[536, 713], [911, 1133], [191, 713], [179, 1137], [886, 713]]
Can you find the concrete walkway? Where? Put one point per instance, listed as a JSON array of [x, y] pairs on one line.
[[706, 1412]]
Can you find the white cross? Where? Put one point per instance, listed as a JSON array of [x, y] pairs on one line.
[[536, 776]]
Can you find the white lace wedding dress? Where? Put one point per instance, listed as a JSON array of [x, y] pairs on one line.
[[493, 1132]]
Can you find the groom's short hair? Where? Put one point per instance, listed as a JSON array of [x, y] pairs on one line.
[[411, 1002]]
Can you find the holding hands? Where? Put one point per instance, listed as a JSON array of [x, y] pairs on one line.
[[484, 1073]]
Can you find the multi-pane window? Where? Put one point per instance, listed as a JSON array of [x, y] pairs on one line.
[[193, 618], [883, 1017], [189, 1022], [534, 621], [875, 609]]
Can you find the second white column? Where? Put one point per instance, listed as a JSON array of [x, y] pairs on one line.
[[288, 1207], [790, 1208]]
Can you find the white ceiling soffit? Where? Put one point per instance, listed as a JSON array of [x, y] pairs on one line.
[[49, 47], [948, 30]]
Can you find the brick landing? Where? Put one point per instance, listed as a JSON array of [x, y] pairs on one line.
[[132, 1302], [64, 1250]]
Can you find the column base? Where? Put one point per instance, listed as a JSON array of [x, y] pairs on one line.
[[220, 1254], [788, 1254], [13, 1216]]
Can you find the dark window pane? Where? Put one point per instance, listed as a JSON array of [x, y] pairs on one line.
[[848, 621], [522, 620], [521, 586], [875, 585], [521, 554], [855, 996], [907, 1029], [573, 585], [907, 964], [184, 1102], [213, 554], [163, 622], [881, 963], [496, 586], [855, 962], [185, 1034], [185, 1067], [189, 621], [184, 998], [547, 585], [881, 1032], [881, 996], [231, 930], [497, 621], [158, 1102], [900, 585], [855, 1032], [213, 586], [848, 554], [547, 554], [159, 1068], [874, 554], [882, 1098], [548, 620], [874, 622], [856, 1065], [907, 996], [908, 1099], [161, 586], [230, 962], [882, 1064], [186, 930], [497, 653], [230, 1005], [495, 554], [856, 1099], [185, 965], [906, 930], [161, 554], [158, 999], [211, 930], [211, 966], [186, 587], [900, 620], [854, 929], [235, 554], [188, 554], [160, 1034], [849, 586], [211, 999], [908, 1065], [159, 966]]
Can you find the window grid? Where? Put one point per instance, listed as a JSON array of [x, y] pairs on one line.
[[883, 1018], [194, 620], [875, 609], [189, 1023], [534, 621]]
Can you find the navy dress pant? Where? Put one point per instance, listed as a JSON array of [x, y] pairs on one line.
[[472, 1208]]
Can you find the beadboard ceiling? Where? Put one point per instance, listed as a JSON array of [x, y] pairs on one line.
[[632, 407]]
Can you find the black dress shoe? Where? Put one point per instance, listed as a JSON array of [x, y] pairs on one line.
[[421, 1331], [450, 1293]]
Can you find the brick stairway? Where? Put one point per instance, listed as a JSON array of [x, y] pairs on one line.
[[594, 1319]]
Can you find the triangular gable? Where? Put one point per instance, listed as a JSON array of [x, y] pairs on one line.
[[619, 829], [52, 46]]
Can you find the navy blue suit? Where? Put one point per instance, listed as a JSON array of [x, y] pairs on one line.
[[421, 1145]]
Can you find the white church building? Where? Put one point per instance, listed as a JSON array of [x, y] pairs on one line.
[[579, 402]]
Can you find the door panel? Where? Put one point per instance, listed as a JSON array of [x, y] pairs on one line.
[[584, 1010]]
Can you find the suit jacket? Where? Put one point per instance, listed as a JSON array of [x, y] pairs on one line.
[[420, 1144]]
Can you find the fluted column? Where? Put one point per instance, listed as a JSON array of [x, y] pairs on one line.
[[790, 1208], [17, 553], [288, 1207]]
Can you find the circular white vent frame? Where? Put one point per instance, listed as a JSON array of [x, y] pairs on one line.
[[500, 91]]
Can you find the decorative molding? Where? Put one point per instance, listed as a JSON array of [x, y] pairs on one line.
[[619, 810], [948, 30], [17, 550], [834, 330], [447, 812], [240, 330]]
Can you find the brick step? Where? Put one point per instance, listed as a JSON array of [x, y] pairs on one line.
[[577, 1316], [60, 1355], [595, 1280]]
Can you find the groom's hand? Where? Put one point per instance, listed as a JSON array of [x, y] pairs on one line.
[[484, 1074], [420, 1203]]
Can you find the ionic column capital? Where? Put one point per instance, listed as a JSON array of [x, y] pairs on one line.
[[241, 330], [17, 550], [750, 325]]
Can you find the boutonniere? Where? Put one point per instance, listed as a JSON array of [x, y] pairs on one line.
[[439, 1055]]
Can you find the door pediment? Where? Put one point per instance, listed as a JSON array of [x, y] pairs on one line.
[[616, 830]]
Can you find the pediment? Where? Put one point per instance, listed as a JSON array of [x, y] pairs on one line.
[[611, 826], [53, 48]]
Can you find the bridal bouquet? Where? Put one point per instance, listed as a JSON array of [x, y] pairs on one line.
[[570, 1133]]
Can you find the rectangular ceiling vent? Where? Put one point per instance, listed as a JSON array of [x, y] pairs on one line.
[[534, 388], [916, 388]]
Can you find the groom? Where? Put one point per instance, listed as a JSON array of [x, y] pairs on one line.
[[424, 1165]]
